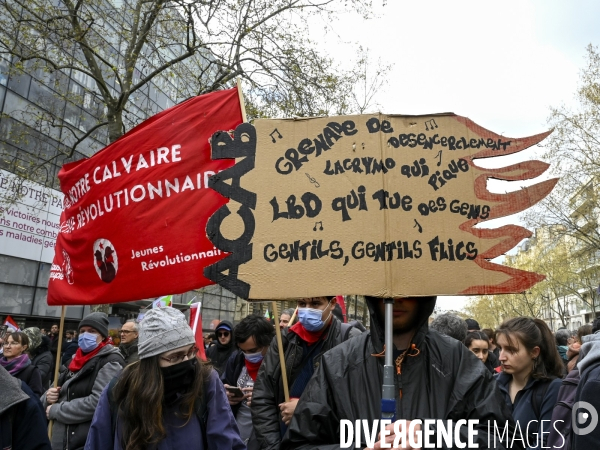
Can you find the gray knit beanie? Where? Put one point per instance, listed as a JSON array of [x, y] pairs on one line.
[[96, 320], [163, 330]]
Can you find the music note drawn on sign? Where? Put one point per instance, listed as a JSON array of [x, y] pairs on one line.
[[312, 180], [278, 135], [417, 224], [321, 226], [430, 124], [439, 154]]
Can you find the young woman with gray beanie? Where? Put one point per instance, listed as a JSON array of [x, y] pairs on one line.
[[168, 399]]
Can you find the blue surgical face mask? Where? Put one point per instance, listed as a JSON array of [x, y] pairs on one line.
[[87, 342], [254, 357], [311, 318]]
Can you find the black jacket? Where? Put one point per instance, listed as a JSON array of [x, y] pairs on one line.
[[232, 372], [130, 352], [69, 349], [268, 387], [219, 354], [31, 376], [43, 360], [443, 381], [22, 418]]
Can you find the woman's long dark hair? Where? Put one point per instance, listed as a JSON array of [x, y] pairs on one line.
[[139, 395], [535, 333]]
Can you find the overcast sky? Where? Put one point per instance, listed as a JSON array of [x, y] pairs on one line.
[[503, 64]]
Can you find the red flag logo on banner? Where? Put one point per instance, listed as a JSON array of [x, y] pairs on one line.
[[134, 218]]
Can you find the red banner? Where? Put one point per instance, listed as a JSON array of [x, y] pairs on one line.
[[134, 218]]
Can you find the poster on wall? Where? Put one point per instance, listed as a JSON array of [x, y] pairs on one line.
[[134, 218], [29, 218], [381, 205]]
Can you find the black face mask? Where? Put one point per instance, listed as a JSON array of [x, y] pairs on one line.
[[178, 378]]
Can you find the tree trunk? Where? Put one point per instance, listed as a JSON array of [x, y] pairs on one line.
[[115, 124], [115, 131]]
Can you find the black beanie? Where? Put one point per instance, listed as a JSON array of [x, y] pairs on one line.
[[96, 320], [472, 324]]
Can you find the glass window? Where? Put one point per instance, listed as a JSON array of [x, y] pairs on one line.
[[47, 99], [211, 301], [208, 315], [4, 64], [15, 299], [8, 155], [41, 308], [17, 270], [19, 83], [43, 275]]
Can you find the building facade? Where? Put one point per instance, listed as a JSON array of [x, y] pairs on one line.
[[42, 113]]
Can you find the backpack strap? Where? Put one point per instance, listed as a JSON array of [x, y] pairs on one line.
[[346, 327]]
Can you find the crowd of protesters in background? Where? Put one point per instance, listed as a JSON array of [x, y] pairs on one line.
[[152, 391]]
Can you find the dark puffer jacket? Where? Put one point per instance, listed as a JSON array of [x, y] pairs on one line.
[[444, 381], [268, 387]]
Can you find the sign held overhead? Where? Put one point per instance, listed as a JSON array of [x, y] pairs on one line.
[[380, 205]]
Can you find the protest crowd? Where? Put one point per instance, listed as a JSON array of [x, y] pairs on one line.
[[155, 391]]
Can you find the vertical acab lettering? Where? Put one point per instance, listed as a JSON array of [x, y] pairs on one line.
[[241, 145]]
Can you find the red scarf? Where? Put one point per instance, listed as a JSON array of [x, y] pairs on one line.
[[310, 337], [81, 358], [252, 368]]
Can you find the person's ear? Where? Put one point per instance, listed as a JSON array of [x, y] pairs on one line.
[[332, 302], [535, 352]]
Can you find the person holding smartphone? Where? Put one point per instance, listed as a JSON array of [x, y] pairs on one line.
[[252, 336]]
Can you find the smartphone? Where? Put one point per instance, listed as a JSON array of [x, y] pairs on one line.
[[236, 391]]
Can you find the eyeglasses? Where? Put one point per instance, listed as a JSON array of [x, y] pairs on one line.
[[11, 344], [125, 331], [223, 334], [179, 357]]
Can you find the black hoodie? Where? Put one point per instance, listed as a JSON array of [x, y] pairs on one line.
[[219, 354], [443, 381]]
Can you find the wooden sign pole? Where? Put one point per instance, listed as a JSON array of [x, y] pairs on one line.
[[286, 390], [57, 367]]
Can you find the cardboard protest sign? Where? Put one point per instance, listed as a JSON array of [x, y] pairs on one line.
[[134, 218], [377, 205]]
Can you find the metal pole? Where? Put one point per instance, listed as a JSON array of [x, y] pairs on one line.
[[388, 388]]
